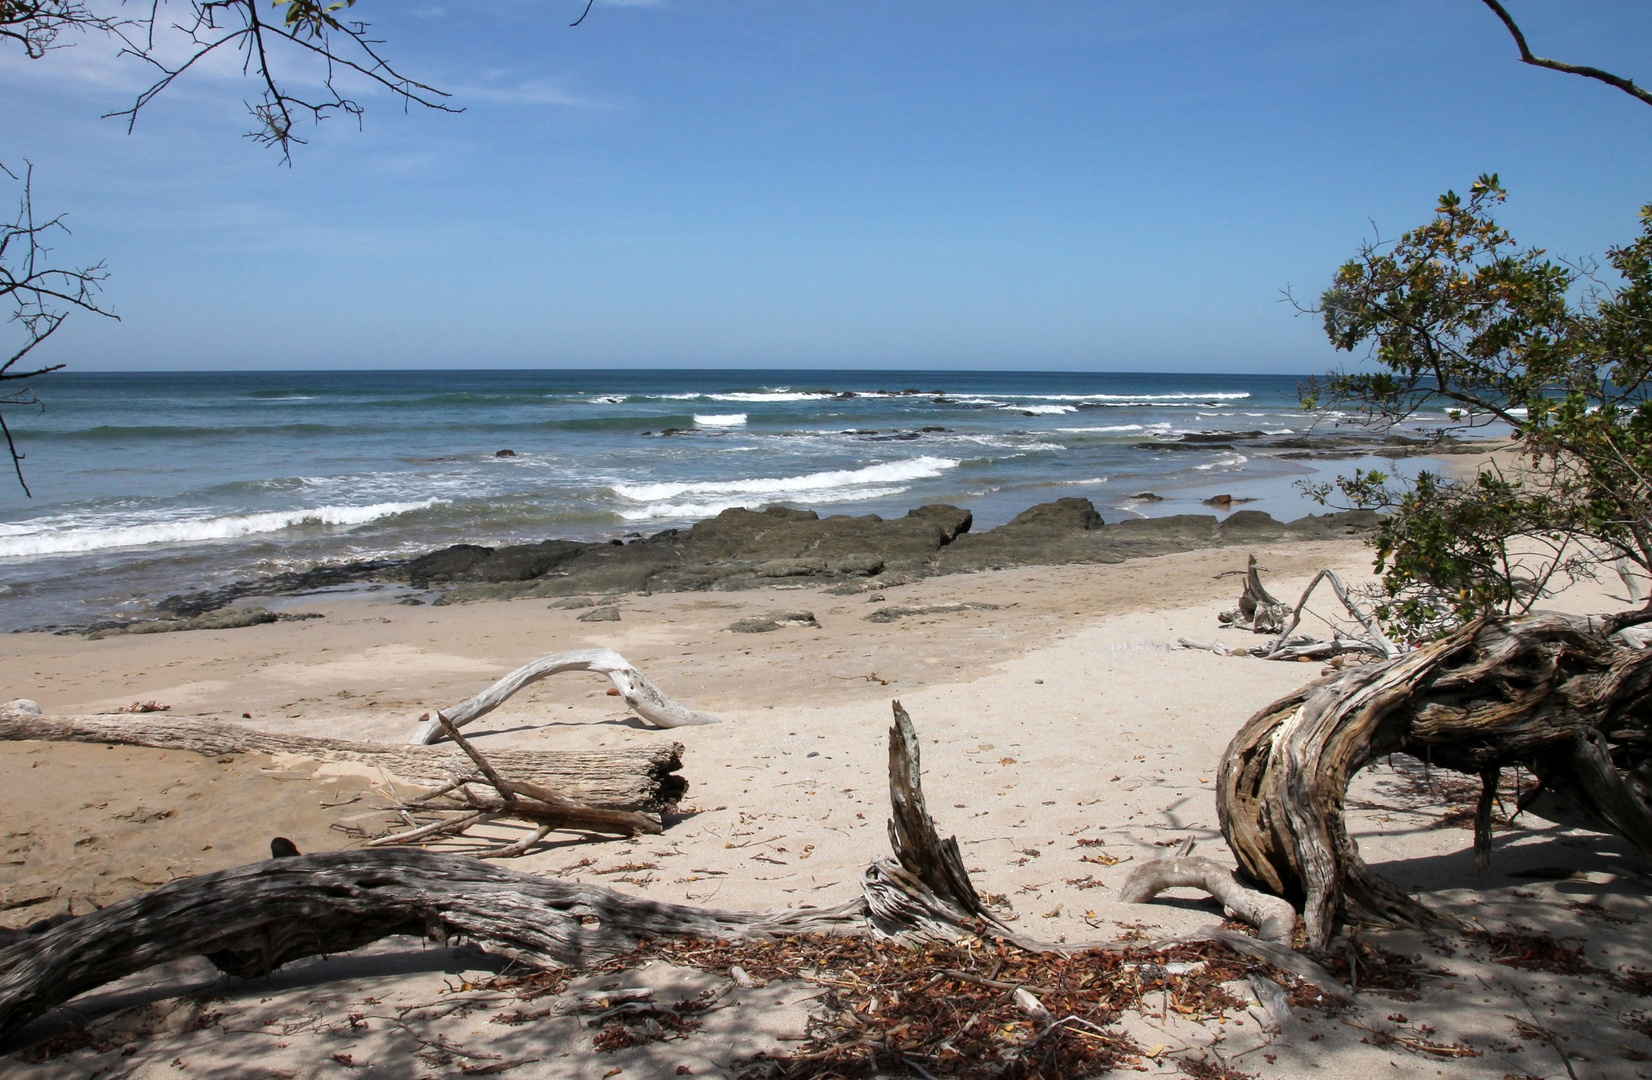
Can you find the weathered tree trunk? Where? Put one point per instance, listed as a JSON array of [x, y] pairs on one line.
[[643, 696], [1556, 695], [644, 779], [252, 919]]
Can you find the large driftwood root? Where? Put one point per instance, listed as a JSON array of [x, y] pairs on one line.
[[1561, 697], [644, 697], [640, 779], [1273, 916]]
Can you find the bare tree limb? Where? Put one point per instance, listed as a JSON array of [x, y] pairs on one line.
[[1527, 57]]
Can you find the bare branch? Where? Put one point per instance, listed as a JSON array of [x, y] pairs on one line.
[[1527, 57]]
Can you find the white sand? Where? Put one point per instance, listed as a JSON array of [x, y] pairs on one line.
[[1063, 714]]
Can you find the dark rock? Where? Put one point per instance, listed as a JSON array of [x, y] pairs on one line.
[[574, 602], [1209, 437], [931, 427], [763, 624], [894, 612], [1223, 501], [1147, 496], [504, 453], [525, 562], [217, 620], [1184, 446], [1069, 513], [411, 601], [954, 521], [601, 614], [448, 563]]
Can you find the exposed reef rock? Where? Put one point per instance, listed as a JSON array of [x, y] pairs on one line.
[[741, 549]]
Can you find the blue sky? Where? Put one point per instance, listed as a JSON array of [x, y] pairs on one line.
[[736, 183]]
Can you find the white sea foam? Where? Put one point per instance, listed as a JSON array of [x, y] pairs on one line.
[[1044, 410], [605, 399], [816, 486], [720, 420], [1225, 462], [713, 507], [1103, 430], [1200, 399], [26, 539], [778, 394]]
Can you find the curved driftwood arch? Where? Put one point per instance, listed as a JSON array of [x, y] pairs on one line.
[[644, 697], [1560, 696]]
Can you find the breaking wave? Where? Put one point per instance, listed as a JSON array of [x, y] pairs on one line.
[[22, 541]]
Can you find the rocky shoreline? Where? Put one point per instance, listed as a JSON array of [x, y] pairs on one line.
[[742, 549]]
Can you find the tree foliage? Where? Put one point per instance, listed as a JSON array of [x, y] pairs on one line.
[[1467, 329]]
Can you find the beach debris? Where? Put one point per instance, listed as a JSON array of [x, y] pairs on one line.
[[144, 707], [774, 620], [1258, 610], [283, 848], [646, 779], [607, 613], [1263, 613], [643, 696], [454, 809], [252, 919]]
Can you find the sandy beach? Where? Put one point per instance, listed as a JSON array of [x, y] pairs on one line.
[[1065, 739]]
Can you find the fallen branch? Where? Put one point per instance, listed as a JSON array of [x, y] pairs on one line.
[[1273, 917], [643, 779], [1378, 641], [640, 694], [543, 810]]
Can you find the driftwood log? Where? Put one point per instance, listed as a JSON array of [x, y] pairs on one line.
[[1566, 698], [459, 809], [252, 919], [644, 697], [639, 779]]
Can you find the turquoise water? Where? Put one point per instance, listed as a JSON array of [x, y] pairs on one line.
[[149, 484]]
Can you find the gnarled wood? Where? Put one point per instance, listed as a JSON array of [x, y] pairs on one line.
[[643, 696], [642, 779], [1553, 694], [255, 918], [1273, 916]]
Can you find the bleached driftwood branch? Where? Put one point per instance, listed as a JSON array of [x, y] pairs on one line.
[[643, 696], [544, 810], [1273, 917], [1378, 641], [642, 779]]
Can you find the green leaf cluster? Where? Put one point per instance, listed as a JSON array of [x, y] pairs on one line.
[[1467, 329]]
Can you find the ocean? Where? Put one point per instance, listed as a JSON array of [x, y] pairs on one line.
[[151, 484]]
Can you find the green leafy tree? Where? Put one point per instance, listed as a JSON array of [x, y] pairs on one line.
[[1465, 328]]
